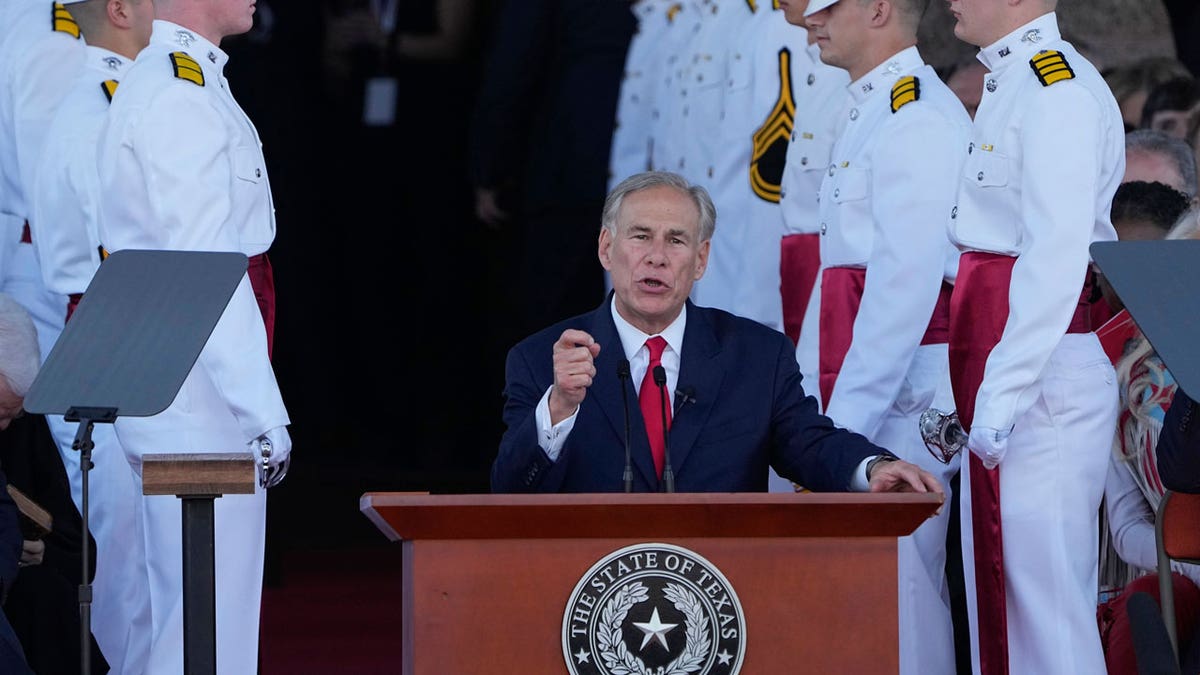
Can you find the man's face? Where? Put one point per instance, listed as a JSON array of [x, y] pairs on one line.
[[10, 404], [655, 256], [793, 11], [977, 21], [1171, 122], [1153, 167], [841, 32]]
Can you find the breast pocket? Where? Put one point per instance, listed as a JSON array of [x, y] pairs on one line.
[[810, 153], [851, 232], [987, 169], [990, 210], [248, 165]]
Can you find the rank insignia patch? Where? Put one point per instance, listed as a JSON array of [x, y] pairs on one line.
[[905, 91], [769, 152], [1051, 66], [186, 68], [62, 21], [653, 608], [109, 87]]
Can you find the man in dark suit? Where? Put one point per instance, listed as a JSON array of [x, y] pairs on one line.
[[731, 401]]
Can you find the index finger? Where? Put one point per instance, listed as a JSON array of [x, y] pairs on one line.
[[572, 338]]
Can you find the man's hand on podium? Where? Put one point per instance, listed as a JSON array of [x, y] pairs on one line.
[[273, 450]]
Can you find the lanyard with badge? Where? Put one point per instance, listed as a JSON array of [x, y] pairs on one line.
[[379, 101]]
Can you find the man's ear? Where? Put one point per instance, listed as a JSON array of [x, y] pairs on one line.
[[702, 258], [604, 248]]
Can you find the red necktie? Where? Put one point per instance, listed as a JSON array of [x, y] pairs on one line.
[[652, 405]]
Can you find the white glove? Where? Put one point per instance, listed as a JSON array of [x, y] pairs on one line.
[[273, 452], [990, 445]]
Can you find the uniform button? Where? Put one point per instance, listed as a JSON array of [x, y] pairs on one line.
[[710, 172], [954, 213], [980, 176], [699, 78], [803, 161], [823, 229], [782, 194], [258, 173], [793, 136], [970, 148]]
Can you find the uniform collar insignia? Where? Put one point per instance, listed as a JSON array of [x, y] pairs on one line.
[[112, 62], [1033, 36], [184, 38], [1004, 51]]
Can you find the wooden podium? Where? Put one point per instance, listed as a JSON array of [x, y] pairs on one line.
[[488, 578]]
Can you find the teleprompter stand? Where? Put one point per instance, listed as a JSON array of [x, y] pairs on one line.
[[126, 351]]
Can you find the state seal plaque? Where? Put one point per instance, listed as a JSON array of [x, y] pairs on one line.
[[653, 609]]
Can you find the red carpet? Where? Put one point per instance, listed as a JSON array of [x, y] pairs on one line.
[[335, 611]]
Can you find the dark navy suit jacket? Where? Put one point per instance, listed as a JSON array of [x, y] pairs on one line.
[[1178, 448], [746, 411]]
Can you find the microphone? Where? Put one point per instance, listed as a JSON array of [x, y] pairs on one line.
[[683, 396], [660, 379], [623, 375]]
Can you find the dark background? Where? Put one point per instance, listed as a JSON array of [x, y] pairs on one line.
[[388, 344]]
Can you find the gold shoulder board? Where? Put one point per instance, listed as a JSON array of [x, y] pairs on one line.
[[905, 91], [62, 21], [110, 88], [186, 68], [1050, 66]]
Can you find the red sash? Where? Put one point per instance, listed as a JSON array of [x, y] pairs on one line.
[[978, 314], [841, 296], [799, 262], [262, 280]]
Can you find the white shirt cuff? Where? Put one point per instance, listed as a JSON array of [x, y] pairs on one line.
[[551, 437], [859, 483]]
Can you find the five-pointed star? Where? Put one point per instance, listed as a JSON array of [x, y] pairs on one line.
[[654, 629], [582, 656], [725, 657]]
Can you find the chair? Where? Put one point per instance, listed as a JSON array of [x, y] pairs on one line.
[[1177, 535]]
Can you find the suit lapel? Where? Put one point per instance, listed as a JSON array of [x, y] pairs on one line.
[[606, 389], [701, 370]]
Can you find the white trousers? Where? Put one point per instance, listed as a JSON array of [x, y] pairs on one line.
[[926, 629], [1051, 483]]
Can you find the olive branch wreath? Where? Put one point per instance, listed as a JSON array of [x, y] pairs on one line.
[[617, 657]]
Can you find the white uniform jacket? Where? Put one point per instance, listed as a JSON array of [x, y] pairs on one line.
[[644, 64], [820, 91], [185, 171], [65, 196], [884, 204], [1038, 184]]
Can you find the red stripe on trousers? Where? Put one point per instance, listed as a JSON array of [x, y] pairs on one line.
[[978, 313], [799, 263]]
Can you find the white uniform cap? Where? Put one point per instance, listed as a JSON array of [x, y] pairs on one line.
[[814, 6]]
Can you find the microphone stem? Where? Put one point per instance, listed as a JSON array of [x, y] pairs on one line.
[[628, 476], [668, 474]]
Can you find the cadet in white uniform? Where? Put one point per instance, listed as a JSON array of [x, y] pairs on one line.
[[887, 194], [668, 141], [717, 122], [821, 106], [1031, 381], [65, 236], [205, 190], [644, 65], [41, 53]]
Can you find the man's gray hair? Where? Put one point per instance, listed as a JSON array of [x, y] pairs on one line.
[[1177, 150], [651, 179], [19, 352]]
